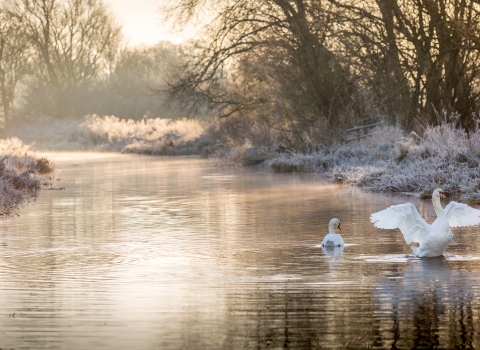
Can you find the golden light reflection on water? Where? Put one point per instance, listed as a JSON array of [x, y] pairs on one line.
[[152, 252]]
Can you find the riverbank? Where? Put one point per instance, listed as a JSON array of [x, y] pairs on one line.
[[22, 174], [388, 161], [392, 161]]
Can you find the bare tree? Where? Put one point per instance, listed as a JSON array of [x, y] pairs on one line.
[[74, 40], [420, 56], [128, 90], [15, 54], [291, 40], [320, 65]]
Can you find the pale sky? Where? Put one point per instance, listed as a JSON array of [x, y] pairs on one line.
[[142, 23]]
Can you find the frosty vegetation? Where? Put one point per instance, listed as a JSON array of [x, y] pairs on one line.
[[390, 160], [155, 136], [393, 161], [21, 175]]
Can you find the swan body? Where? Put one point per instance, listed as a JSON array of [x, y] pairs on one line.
[[434, 238], [332, 239]]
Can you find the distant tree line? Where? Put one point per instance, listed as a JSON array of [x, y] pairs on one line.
[[303, 69], [67, 58]]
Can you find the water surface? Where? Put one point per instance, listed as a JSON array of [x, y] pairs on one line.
[[168, 253]]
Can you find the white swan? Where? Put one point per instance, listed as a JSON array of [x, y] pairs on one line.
[[433, 238], [332, 239]]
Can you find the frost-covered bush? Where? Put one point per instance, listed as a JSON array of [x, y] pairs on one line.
[[380, 147], [283, 160], [245, 154], [21, 175], [391, 161], [151, 136], [109, 133]]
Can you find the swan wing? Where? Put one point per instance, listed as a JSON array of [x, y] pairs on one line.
[[406, 218], [460, 214]]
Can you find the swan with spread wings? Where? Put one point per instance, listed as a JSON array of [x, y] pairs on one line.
[[434, 238]]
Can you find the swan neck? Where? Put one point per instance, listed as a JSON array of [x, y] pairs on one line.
[[438, 207], [331, 228]]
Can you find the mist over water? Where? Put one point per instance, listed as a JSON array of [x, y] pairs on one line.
[[154, 252]]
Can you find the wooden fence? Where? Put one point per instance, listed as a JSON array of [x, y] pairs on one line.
[[359, 132]]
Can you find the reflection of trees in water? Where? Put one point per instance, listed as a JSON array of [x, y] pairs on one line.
[[316, 311], [296, 317], [429, 305], [432, 306]]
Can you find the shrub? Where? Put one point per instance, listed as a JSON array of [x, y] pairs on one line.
[[109, 133], [20, 175]]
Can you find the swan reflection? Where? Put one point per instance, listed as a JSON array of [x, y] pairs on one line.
[[330, 250], [333, 259]]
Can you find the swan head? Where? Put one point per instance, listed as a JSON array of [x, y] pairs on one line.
[[335, 223], [438, 193]]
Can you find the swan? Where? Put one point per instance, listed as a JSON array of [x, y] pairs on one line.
[[332, 239], [434, 238]]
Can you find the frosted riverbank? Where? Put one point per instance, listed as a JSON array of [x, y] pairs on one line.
[[22, 174]]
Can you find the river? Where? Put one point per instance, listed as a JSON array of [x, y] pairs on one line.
[[145, 252]]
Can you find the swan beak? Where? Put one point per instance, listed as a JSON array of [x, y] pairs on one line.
[[339, 227], [442, 195]]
